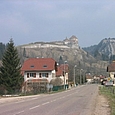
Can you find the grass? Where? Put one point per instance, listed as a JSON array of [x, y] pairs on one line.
[[109, 93]]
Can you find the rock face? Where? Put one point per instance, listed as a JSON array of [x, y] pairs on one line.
[[105, 50], [71, 42]]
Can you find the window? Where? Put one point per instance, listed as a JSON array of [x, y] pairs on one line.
[[27, 75], [31, 75], [34, 75], [40, 75], [45, 66], [32, 66], [43, 75]]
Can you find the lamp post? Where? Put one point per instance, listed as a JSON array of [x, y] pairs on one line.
[[84, 77], [80, 75], [64, 73], [74, 75]]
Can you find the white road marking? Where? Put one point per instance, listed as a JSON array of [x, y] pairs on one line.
[[45, 103], [34, 107], [51, 100], [18, 112]]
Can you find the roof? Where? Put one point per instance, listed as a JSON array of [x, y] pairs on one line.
[[59, 72], [64, 67], [39, 64], [89, 77], [61, 68], [111, 67]]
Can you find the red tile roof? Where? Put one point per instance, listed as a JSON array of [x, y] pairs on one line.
[[39, 64], [59, 72], [89, 77], [64, 67], [61, 69]]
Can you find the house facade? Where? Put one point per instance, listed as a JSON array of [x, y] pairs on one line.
[[39, 68], [89, 78], [38, 71], [62, 72], [111, 71]]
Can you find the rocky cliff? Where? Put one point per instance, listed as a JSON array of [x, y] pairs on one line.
[[105, 50]]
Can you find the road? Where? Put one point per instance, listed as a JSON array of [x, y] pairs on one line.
[[77, 101]]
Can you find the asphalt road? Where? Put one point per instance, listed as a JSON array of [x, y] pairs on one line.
[[77, 101]]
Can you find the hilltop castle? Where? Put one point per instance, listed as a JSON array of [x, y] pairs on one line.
[[71, 42]]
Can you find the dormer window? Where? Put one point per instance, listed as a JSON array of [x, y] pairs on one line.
[[32, 66], [45, 66]]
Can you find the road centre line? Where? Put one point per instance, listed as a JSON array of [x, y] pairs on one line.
[[45, 103], [51, 101], [18, 113], [34, 107]]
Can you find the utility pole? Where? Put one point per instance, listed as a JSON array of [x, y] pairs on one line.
[[74, 76]]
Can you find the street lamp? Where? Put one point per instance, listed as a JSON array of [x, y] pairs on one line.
[[74, 75], [80, 75], [84, 75], [64, 73]]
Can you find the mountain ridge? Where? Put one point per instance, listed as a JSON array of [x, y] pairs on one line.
[[105, 50]]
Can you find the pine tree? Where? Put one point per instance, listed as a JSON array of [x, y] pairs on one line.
[[2, 48], [10, 75], [24, 52], [61, 60]]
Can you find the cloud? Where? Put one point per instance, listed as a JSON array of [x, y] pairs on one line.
[[43, 19]]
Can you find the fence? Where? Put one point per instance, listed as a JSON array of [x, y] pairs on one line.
[[56, 88]]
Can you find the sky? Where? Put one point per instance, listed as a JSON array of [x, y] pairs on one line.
[[29, 21]]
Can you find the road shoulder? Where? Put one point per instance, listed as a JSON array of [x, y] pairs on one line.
[[102, 106]]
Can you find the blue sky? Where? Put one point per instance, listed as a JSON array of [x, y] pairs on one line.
[[28, 21]]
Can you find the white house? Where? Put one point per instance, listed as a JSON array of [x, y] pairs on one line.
[[38, 71]]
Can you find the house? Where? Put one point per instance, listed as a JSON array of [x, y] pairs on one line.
[[89, 78], [111, 71], [62, 72], [38, 72]]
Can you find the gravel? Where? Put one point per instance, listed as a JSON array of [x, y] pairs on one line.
[[101, 106]]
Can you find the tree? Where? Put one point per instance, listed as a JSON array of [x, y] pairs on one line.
[[10, 74], [61, 60], [2, 49], [56, 82], [24, 52]]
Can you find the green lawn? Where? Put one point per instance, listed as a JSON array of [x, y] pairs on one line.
[[109, 93]]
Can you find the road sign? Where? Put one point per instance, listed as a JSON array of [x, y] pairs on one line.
[[109, 79]]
